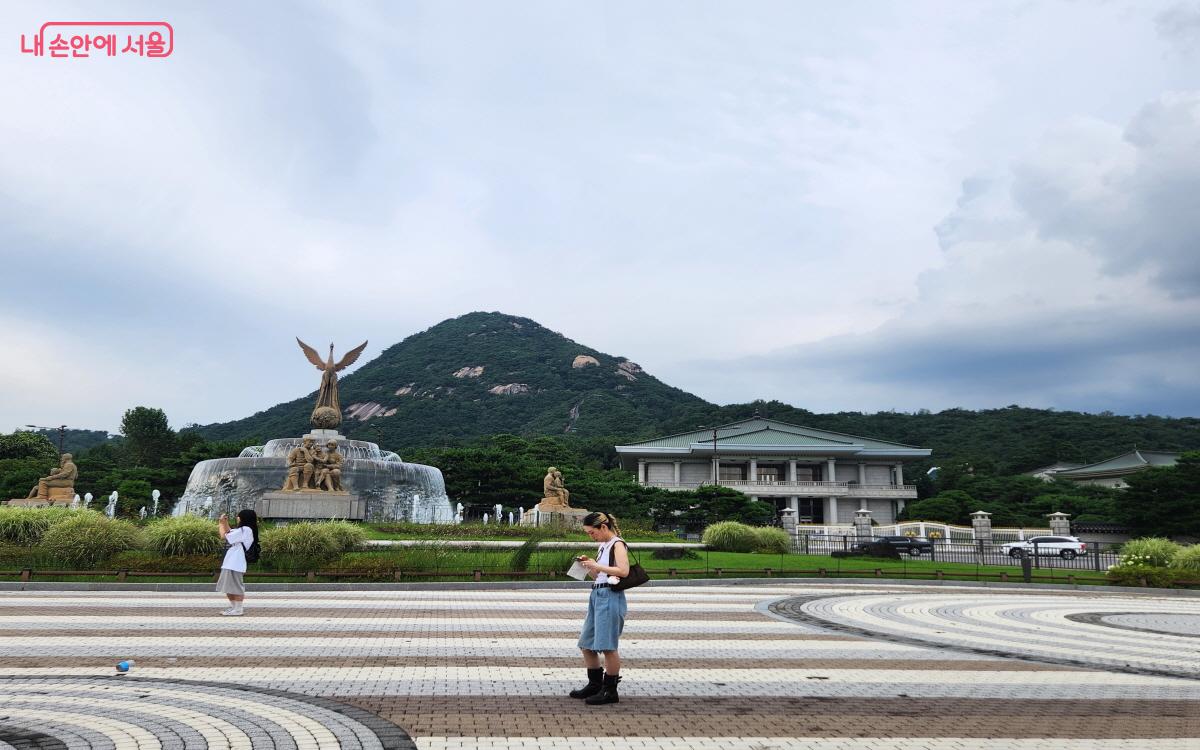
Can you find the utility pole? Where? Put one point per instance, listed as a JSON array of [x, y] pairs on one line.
[[62, 433]]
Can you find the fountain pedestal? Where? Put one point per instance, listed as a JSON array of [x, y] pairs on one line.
[[341, 505]]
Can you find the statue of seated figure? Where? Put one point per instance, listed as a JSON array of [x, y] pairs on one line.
[[61, 479], [555, 492]]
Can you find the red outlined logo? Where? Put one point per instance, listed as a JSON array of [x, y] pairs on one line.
[[70, 39]]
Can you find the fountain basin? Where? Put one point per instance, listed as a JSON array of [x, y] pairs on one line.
[[379, 486]]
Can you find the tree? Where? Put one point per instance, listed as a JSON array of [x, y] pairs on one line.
[[1164, 501], [28, 445], [951, 506], [149, 439]]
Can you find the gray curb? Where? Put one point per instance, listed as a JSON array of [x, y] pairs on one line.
[[525, 585]]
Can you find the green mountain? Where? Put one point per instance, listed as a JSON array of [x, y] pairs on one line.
[[489, 373], [481, 374]]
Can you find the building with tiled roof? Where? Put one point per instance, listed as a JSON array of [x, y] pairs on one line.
[[823, 476], [1112, 472]]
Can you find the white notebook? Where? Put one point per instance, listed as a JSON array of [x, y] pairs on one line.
[[577, 571]]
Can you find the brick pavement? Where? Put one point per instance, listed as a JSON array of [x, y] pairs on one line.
[[706, 667]]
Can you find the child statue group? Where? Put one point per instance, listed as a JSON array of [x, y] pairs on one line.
[[314, 469]]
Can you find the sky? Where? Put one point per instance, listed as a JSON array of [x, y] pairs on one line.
[[851, 206]]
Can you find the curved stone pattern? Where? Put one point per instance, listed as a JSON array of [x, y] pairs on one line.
[[1072, 630], [126, 712]]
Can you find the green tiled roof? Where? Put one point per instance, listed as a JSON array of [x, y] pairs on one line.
[[770, 436], [762, 431], [1124, 463]]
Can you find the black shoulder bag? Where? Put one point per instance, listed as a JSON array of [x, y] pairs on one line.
[[637, 574]]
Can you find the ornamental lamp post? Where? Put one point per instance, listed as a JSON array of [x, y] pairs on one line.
[[62, 431]]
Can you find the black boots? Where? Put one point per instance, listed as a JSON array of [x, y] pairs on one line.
[[593, 686], [607, 693]]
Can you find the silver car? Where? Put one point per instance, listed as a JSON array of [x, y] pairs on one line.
[[1066, 547]]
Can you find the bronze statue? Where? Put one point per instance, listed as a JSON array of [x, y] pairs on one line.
[[556, 493], [300, 467], [60, 478], [330, 477], [327, 414]]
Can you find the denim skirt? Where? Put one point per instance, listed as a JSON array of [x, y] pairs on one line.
[[605, 620]]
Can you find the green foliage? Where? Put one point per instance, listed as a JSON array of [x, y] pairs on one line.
[[184, 535], [19, 475], [27, 526], [1164, 501], [148, 437], [1148, 552], [950, 506], [772, 541], [730, 536], [87, 539], [1143, 575], [299, 543], [523, 554], [346, 536], [1188, 558], [132, 496], [29, 445]]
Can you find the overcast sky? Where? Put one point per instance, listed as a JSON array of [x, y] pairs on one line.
[[844, 206]]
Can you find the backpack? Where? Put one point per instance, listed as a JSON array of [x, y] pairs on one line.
[[252, 552]]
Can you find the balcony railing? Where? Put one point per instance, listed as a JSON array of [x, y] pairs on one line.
[[828, 489]]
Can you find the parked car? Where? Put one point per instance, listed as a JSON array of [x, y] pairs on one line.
[[1066, 547], [914, 545]]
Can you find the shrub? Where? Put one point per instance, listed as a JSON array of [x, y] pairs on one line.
[[146, 560], [523, 554], [184, 535], [366, 567], [1188, 559], [1153, 552], [559, 561], [298, 543], [675, 553], [345, 536], [26, 526], [1134, 576], [772, 541], [730, 536], [86, 540]]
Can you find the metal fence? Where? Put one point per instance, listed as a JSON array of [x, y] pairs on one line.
[[1095, 556]]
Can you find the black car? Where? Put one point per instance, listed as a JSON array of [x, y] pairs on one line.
[[915, 545]]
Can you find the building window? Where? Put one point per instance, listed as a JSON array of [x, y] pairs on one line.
[[733, 473]]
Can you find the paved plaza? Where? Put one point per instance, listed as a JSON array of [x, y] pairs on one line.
[[798, 665]]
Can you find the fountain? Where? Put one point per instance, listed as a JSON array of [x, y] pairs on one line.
[[321, 474]]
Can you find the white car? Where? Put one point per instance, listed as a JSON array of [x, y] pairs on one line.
[[1066, 547]]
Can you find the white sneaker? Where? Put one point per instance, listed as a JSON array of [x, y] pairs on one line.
[[233, 612]]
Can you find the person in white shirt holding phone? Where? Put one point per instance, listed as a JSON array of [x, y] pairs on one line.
[[234, 565], [606, 611]]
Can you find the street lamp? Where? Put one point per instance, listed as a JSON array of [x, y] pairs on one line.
[[62, 431]]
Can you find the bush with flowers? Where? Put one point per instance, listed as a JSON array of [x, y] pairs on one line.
[[1147, 562]]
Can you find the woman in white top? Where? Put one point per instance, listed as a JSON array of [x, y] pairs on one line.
[[234, 566], [606, 611]]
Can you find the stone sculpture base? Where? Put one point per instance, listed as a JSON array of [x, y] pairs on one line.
[[285, 505], [58, 496], [554, 516]]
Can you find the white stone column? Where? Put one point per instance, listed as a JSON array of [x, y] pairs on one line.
[[792, 470], [794, 504], [831, 471], [716, 470], [832, 516], [677, 465], [899, 474], [641, 471], [753, 477], [862, 472], [862, 503]]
